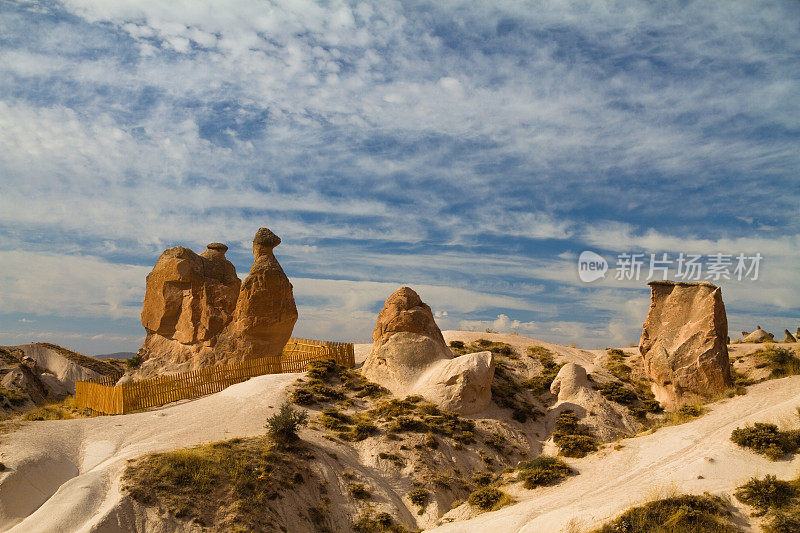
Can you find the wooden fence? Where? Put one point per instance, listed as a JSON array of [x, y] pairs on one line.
[[106, 398]]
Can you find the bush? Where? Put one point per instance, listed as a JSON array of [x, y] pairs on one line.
[[303, 397], [781, 361], [572, 439], [380, 523], [678, 514], [282, 427], [616, 364], [11, 397], [617, 392], [542, 471], [767, 440], [359, 491], [496, 441], [134, 361], [482, 479], [765, 494], [488, 498], [419, 497]]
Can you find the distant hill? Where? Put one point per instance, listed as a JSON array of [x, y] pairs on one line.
[[116, 355]]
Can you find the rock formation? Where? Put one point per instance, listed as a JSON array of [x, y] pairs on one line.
[[197, 312], [409, 356], [265, 311], [759, 335], [683, 342], [789, 337], [574, 391]]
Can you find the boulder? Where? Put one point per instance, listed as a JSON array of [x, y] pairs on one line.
[[265, 310], [789, 337], [683, 342], [462, 384], [759, 335], [409, 356]]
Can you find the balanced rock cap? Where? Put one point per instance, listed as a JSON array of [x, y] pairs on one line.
[[265, 237], [217, 246]]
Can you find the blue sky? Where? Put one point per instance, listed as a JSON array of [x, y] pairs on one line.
[[469, 150]]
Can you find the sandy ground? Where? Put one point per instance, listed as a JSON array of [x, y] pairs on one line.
[[63, 475], [694, 457]]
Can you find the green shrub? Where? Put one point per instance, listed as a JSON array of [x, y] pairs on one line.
[[134, 361], [379, 523], [541, 384], [509, 393], [359, 491], [617, 392], [482, 479], [781, 361], [767, 440], [678, 514], [419, 496], [616, 364], [543, 470], [487, 498], [783, 521], [303, 397], [765, 494], [282, 427], [11, 397], [572, 439], [496, 441]]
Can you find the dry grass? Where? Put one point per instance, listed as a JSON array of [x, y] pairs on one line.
[[225, 485], [675, 514]]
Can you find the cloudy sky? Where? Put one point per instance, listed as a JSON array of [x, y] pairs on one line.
[[469, 150]]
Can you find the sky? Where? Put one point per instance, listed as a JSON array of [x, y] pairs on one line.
[[470, 150]]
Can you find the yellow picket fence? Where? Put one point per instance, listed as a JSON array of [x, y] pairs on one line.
[[106, 398]]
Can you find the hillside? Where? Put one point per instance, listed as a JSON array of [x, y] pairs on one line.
[[66, 475]]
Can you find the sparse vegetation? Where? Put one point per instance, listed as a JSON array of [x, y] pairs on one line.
[[282, 427], [11, 398], [134, 362], [488, 498], [778, 501], [781, 361], [223, 485], [572, 439], [542, 471], [101, 367], [677, 514], [412, 414], [616, 364], [767, 440], [617, 392], [419, 496], [359, 491], [328, 381], [508, 392], [377, 523], [541, 384], [765, 494]]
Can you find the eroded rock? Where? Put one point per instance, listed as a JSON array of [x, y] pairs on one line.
[[198, 313], [759, 335], [409, 356], [683, 342]]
